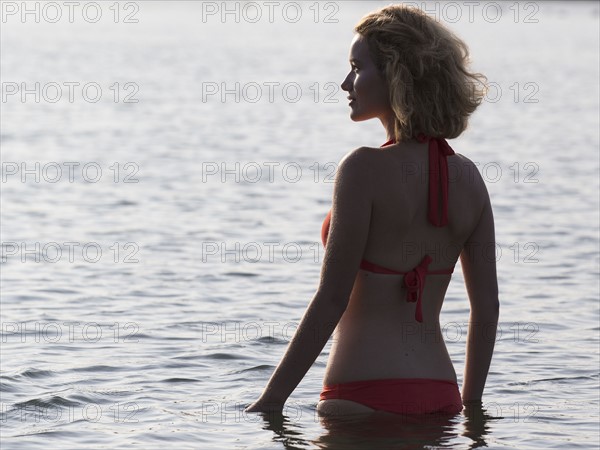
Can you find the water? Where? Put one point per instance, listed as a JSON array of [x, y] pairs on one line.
[[164, 296]]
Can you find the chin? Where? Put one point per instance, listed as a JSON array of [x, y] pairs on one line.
[[357, 117]]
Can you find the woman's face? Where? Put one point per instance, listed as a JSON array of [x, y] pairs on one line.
[[365, 85]]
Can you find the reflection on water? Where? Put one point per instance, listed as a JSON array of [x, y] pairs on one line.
[[475, 424], [385, 430]]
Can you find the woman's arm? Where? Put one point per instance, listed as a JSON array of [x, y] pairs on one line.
[[350, 218], [478, 261], [315, 328]]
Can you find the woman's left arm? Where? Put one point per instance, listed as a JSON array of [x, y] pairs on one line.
[[350, 218]]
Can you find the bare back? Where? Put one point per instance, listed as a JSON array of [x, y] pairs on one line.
[[378, 336]]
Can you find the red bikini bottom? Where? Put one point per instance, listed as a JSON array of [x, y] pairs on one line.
[[400, 395]]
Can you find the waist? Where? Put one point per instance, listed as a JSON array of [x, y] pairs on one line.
[[390, 382], [371, 346]]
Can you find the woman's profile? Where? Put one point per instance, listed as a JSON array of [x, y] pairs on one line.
[[402, 215]]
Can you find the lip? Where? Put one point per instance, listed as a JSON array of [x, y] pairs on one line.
[[352, 101]]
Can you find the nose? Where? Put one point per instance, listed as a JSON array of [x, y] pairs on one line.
[[347, 84]]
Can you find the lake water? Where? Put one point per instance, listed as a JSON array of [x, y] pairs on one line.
[[161, 224]]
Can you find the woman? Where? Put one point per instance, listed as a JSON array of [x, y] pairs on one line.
[[397, 226]]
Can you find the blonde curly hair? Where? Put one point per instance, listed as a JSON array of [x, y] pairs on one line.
[[425, 67]]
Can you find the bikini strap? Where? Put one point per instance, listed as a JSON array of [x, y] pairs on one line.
[[438, 176]]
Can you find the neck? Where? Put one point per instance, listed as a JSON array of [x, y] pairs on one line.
[[388, 121]]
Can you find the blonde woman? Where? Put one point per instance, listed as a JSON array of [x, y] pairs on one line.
[[397, 226]]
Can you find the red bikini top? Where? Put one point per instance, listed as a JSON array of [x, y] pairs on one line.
[[414, 280]]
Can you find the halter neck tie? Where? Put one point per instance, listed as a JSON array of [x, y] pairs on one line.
[[438, 177]]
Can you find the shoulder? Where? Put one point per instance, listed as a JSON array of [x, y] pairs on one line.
[[356, 170], [357, 156], [466, 174], [465, 170], [357, 161]]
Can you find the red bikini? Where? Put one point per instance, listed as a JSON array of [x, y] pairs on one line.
[[408, 395], [400, 395]]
